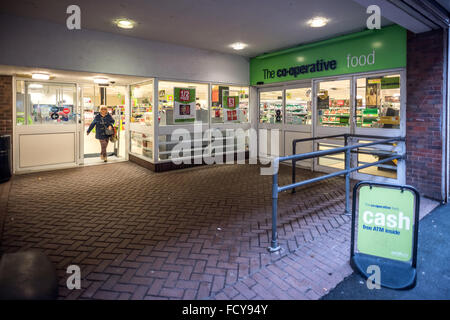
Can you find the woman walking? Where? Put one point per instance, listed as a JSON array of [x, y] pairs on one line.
[[102, 122]]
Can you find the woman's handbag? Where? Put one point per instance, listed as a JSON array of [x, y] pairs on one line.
[[113, 137], [108, 132]]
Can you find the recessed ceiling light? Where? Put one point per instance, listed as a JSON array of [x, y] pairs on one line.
[[238, 45], [125, 23], [101, 80], [35, 86], [318, 22], [40, 76]]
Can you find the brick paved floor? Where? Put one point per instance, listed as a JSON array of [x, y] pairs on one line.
[[199, 233]]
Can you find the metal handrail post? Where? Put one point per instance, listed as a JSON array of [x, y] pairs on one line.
[[294, 149], [347, 181], [274, 242]]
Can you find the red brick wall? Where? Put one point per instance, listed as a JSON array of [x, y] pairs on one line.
[[424, 112], [6, 105]]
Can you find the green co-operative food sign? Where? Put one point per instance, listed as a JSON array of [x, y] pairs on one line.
[[364, 51], [386, 222]]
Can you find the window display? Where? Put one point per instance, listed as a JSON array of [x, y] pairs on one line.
[[378, 102], [333, 103], [184, 105], [166, 92], [237, 114], [141, 144], [141, 103], [298, 106], [271, 107], [43, 103]]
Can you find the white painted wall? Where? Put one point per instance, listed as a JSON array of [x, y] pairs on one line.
[[35, 43]]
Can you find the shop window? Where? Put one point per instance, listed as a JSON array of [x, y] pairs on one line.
[[210, 144], [223, 110], [141, 103], [298, 106], [194, 146], [20, 103], [333, 103], [271, 107], [141, 144], [378, 102], [181, 103], [44, 103]]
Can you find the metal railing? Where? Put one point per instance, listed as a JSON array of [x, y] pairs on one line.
[[310, 155]]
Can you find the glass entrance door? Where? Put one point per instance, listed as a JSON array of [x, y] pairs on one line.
[[115, 100], [369, 105], [379, 104], [271, 119], [334, 116], [286, 111]]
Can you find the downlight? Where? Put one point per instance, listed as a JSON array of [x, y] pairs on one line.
[[40, 76], [318, 22], [238, 45], [125, 23], [101, 80]]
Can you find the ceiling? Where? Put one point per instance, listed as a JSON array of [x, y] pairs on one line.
[[71, 76], [445, 4], [265, 25]]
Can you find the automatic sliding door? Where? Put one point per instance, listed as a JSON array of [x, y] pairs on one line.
[[378, 104], [299, 121], [271, 117], [334, 112], [115, 100]]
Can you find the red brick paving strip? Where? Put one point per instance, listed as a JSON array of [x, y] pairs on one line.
[[307, 273], [191, 234]]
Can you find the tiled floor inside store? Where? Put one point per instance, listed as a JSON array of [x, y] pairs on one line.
[[199, 233]]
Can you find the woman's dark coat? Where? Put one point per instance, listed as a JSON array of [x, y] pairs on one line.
[[100, 124]]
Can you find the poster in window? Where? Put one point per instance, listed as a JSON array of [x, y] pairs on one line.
[[221, 93], [184, 105], [373, 96], [231, 108], [323, 100], [390, 83]]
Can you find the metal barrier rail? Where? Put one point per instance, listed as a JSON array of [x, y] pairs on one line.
[[344, 135], [298, 157]]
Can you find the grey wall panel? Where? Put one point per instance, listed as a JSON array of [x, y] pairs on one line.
[[36, 43]]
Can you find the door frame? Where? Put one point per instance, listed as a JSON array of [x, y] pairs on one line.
[[81, 123], [328, 131], [353, 129], [283, 127], [384, 132], [28, 129]]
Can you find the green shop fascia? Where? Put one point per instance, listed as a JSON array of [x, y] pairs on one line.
[[369, 50]]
